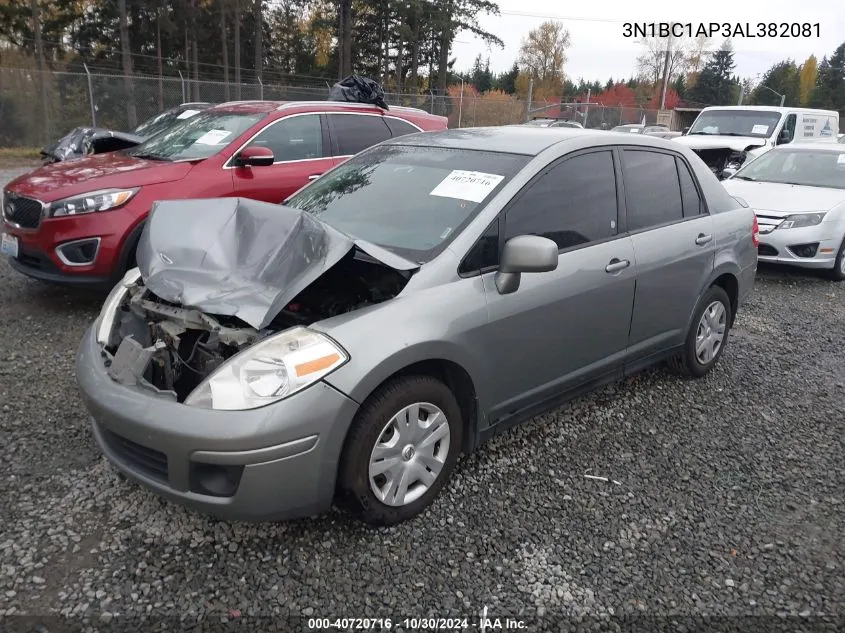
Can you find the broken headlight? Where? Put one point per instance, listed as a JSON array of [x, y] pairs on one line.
[[735, 160], [269, 371], [103, 200], [105, 321]]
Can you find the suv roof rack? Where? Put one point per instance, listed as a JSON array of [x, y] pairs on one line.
[[350, 104]]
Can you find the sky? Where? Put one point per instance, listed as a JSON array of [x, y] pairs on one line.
[[600, 50]]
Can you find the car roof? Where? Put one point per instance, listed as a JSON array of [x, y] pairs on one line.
[[514, 139], [264, 107], [771, 109]]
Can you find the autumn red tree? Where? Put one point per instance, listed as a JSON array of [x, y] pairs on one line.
[[619, 95], [672, 100]]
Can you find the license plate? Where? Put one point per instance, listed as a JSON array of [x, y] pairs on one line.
[[9, 245]]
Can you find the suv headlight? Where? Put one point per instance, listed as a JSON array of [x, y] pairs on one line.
[[801, 220], [269, 371], [105, 321], [103, 200]]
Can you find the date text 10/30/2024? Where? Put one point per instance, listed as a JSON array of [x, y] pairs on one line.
[[723, 29], [482, 623]]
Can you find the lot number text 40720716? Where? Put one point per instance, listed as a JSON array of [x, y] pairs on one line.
[[721, 29]]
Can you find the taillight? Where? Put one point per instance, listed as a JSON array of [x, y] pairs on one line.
[[755, 232]]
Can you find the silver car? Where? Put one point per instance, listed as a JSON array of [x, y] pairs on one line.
[[798, 194], [265, 361]]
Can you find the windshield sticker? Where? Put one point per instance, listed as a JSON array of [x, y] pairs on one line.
[[212, 137], [467, 185], [840, 160], [760, 129], [635, 130], [187, 114]]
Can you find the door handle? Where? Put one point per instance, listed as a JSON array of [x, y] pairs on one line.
[[616, 265], [702, 239], [314, 176]]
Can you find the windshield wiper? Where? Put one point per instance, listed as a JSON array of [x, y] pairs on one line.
[[745, 178], [701, 133]]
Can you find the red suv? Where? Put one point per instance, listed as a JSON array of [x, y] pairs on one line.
[[79, 221]]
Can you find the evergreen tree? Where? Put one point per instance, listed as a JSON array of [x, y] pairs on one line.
[[830, 84], [716, 84]]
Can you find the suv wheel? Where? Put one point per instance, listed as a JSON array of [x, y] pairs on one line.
[[838, 272], [707, 336], [400, 451]]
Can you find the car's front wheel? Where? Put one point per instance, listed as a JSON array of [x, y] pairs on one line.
[[400, 451], [707, 336]]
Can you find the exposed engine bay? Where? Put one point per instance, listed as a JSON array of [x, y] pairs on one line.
[[722, 158], [171, 349]]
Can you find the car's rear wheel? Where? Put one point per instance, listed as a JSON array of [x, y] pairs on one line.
[[707, 336], [400, 451], [838, 272]]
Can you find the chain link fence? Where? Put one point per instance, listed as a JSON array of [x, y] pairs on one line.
[[29, 118]]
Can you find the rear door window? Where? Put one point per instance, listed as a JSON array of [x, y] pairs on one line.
[[652, 189], [353, 133]]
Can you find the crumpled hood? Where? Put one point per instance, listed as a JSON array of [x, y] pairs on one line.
[[714, 141], [240, 257], [781, 199], [82, 141]]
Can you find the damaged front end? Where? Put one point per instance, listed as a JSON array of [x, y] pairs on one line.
[[85, 141], [242, 341], [723, 162]]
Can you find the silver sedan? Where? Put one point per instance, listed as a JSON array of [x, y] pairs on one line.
[[798, 194]]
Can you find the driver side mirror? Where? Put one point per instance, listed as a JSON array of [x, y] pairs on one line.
[[524, 254], [255, 156], [784, 137], [685, 130]]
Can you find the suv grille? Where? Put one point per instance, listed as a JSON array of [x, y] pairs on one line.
[[23, 212], [149, 461]]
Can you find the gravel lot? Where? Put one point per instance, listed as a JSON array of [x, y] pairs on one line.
[[730, 498]]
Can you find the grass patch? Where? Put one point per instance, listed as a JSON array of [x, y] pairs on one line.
[[19, 152], [15, 157]]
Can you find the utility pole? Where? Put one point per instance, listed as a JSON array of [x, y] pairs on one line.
[[665, 75], [587, 107], [530, 94], [741, 92]]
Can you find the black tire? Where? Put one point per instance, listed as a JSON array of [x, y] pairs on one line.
[[687, 363], [353, 489], [838, 274]]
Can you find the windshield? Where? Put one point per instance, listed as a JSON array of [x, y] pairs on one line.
[[198, 137], [756, 123], [627, 128], [798, 167], [162, 121], [410, 200]]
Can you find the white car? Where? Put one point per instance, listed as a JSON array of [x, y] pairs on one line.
[[798, 194]]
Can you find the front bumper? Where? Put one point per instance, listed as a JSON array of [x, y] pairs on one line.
[[40, 249], [287, 453], [777, 247]]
